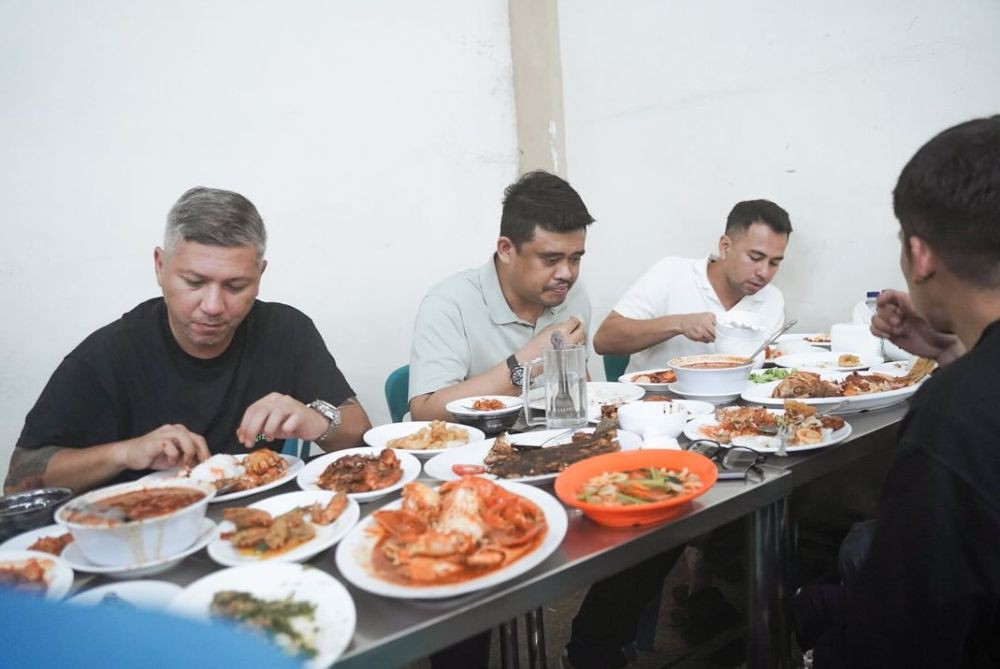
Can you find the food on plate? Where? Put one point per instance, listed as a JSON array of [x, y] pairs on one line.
[[262, 467], [661, 376], [638, 486], [487, 405], [53, 545], [361, 473], [768, 375], [288, 623], [219, 467], [657, 398], [818, 338], [468, 470], [772, 353], [798, 426], [505, 461], [610, 412], [258, 534], [802, 385], [134, 505], [848, 360], [25, 575], [462, 530], [436, 435]]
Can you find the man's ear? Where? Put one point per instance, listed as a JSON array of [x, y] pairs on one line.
[[158, 257], [506, 249], [725, 243], [924, 262]]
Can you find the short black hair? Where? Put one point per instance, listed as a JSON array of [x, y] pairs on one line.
[[949, 196], [748, 212], [543, 200]]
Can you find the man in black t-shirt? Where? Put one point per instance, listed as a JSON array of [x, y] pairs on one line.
[[927, 593], [205, 369]]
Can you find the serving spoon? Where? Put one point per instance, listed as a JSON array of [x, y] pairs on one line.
[[773, 338]]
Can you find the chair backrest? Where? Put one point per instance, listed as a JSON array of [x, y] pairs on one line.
[[614, 366], [397, 391]]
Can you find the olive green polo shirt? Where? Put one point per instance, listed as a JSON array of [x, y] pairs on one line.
[[465, 327]]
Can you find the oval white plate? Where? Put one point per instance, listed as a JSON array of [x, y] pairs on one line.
[[226, 554], [649, 387], [760, 393], [694, 408], [598, 393], [711, 399], [824, 362], [377, 437], [897, 368], [294, 465], [805, 337], [311, 472], [439, 467], [58, 574], [335, 615], [152, 595], [23, 541], [354, 553], [693, 431], [75, 558], [463, 407]]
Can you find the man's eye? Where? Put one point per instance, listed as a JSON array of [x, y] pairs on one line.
[[236, 288], [193, 283]]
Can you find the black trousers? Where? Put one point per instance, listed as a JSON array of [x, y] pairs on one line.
[[609, 615]]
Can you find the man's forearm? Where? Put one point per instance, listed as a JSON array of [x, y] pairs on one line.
[[624, 336], [57, 466], [354, 422], [494, 381]]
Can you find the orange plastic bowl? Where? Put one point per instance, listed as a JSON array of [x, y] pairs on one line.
[[573, 478]]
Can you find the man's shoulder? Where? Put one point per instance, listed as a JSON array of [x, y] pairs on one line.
[[458, 287], [137, 322], [279, 312]]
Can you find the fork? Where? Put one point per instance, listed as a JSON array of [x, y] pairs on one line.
[[562, 404]]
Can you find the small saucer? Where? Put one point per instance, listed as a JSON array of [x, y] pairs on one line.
[[75, 559], [712, 399]]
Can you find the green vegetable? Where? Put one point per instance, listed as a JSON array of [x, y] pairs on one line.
[[773, 374]]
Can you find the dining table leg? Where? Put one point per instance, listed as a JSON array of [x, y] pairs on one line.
[[534, 626], [509, 653], [769, 545]]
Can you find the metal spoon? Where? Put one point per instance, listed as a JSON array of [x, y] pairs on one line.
[[773, 338]]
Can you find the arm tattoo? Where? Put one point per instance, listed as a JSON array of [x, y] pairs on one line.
[[27, 468]]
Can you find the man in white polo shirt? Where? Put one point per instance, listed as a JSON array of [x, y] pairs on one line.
[[672, 309], [475, 328]]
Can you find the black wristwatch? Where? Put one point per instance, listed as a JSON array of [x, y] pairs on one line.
[[516, 372]]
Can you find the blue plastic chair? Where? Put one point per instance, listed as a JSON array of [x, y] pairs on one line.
[[397, 393], [614, 366]]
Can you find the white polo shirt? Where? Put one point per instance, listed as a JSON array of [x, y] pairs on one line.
[[680, 286]]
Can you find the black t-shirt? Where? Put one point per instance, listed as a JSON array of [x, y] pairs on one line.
[[131, 377], [928, 594]]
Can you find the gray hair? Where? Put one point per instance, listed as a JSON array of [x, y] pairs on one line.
[[214, 217]]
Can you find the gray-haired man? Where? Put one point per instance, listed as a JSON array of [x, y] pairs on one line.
[[205, 368]]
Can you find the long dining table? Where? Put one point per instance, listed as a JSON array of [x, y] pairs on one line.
[[393, 632]]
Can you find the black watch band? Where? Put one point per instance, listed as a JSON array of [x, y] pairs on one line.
[[516, 371]]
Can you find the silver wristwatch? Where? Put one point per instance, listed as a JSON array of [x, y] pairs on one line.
[[331, 412]]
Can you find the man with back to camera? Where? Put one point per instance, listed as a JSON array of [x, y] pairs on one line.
[[672, 309], [206, 368], [928, 592]]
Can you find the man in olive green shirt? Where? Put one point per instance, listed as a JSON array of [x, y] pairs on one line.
[[475, 327]]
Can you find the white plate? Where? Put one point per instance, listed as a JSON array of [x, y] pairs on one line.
[[23, 541], [439, 467], [354, 553], [649, 387], [804, 336], [692, 431], [377, 437], [760, 393], [711, 399], [74, 558], [152, 595], [897, 368], [598, 393], [695, 408], [335, 615], [294, 465], [58, 575], [226, 554], [463, 407], [824, 362], [311, 472]]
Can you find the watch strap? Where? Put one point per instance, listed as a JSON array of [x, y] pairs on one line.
[[329, 411]]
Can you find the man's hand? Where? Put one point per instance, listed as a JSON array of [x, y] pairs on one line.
[[278, 416], [165, 447], [895, 319], [573, 332], [698, 327]]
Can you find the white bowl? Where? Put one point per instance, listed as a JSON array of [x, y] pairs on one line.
[[711, 380], [121, 543], [665, 419], [745, 325]]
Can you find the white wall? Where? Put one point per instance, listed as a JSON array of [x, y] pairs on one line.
[[374, 137], [677, 110]]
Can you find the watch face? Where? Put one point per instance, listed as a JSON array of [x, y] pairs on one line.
[[517, 376]]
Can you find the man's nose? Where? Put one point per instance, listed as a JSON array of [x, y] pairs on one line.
[[212, 301], [564, 272]]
